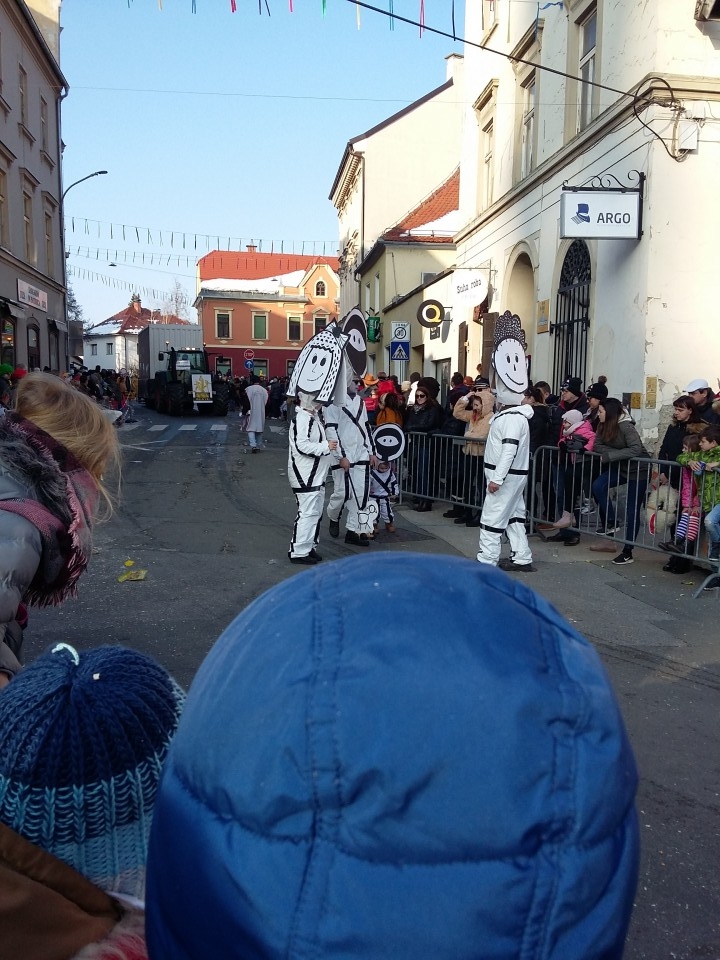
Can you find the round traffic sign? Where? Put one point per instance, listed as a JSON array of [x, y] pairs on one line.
[[249, 364], [249, 354]]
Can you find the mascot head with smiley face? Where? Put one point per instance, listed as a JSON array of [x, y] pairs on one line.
[[509, 360], [320, 368]]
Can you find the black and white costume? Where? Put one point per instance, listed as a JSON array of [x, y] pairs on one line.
[[507, 462], [507, 452], [308, 462], [383, 486], [347, 423]]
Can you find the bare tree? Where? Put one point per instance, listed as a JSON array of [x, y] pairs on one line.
[[177, 301]]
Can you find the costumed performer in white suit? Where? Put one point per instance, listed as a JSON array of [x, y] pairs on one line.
[[354, 456], [308, 462], [507, 453]]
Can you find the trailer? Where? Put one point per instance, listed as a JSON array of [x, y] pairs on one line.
[[175, 374]]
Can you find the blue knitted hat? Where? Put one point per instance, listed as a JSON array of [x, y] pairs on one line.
[[83, 738]]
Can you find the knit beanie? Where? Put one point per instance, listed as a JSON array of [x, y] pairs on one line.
[[83, 738], [431, 385]]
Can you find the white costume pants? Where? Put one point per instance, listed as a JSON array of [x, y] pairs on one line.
[[355, 479], [307, 523], [385, 510], [504, 512]]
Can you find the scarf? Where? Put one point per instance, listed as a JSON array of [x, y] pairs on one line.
[[61, 509]]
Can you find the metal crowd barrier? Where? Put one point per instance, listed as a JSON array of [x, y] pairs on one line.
[[624, 501]]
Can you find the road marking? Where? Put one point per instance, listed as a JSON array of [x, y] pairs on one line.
[[189, 426], [219, 426], [158, 426], [126, 427]]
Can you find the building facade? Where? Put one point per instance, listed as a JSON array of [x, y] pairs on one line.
[[638, 309], [32, 267], [113, 343], [259, 325], [387, 170]]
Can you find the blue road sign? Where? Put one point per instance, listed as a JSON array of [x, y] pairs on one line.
[[249, 364], [399, 349]]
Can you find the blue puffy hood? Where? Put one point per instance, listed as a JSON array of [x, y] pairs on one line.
[[402, 757]]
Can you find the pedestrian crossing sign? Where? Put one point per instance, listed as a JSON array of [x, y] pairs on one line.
[[400, 350]]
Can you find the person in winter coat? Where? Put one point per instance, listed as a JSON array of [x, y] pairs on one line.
[[421, 419], [390, 409], [705, 465], [474, 410], [578, 437], [55, 448], [688, 525], [540, 425], [83, 739], [702, 394], [354, 791], [257, 397], [620, 447], [308, 462], [686, 420], [571, 398]]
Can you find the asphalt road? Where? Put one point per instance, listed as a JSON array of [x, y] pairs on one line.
[[211, 524]]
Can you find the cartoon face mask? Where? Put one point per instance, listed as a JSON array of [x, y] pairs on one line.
[[508, 358], [389, 441], [510, 364], [355, 327], [319, 365]]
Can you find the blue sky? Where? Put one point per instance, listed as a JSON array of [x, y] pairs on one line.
[[224, 124]]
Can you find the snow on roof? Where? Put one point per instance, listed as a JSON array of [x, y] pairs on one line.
[[268, 285]]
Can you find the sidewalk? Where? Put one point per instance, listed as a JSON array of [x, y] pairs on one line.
[[637, 605]]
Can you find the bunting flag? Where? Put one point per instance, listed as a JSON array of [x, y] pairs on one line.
[[422, 17], [357, 14], [391, 11]]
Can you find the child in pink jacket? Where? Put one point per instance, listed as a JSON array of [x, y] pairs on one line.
[[688, 526], [577, 437]]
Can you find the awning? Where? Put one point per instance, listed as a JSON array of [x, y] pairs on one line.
[[16, 310], [60, 325]]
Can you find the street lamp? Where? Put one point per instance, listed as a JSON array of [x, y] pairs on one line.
[[98, 173]]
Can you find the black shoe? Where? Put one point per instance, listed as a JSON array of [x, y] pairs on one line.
[[423, 507], [356, 540], [511, 567], [713, 585], [558, 538], [334, 528], [454, 512], [473, 522], [571, 541], [462, 519], [315, 555], [308, 561]]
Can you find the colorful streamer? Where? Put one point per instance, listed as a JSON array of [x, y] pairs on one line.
[[392, 19], [422, 17]]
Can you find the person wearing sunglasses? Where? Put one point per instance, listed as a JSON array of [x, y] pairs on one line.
[[422, 418]]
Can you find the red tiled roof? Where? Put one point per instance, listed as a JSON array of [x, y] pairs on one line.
[[255, 265], [441, 202]]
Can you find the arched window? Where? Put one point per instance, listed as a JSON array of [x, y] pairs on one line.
[[320, 289], [570, 331], [33, 347]]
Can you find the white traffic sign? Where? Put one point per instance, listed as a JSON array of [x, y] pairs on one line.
[[400, 330]]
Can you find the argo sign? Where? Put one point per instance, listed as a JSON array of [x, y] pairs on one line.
[[601, 214]]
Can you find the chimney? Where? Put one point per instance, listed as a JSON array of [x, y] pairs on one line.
[[135, 303], [252, 248]]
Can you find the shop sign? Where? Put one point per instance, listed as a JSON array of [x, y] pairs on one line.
[[601, 214], [469, 286], [33, 296]]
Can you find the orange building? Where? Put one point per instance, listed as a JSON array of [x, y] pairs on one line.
[[259, 323]]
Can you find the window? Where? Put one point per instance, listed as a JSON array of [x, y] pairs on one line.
[[49, 258], [587, 103], [28, 227], [43, 124], [4, 231], [320, 289], [33, 347], [377, 293], [485, 113], [7, 354], [22, 93], [294, 328], [109, 348], [527, 145], [367, 298], [489, 14], [488, 168], [222, 326], [259, 326], [93, 349], [320, 323]]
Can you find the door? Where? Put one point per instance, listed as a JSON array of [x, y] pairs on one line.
[[570, 331]]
